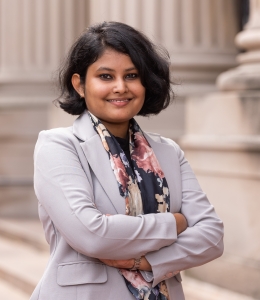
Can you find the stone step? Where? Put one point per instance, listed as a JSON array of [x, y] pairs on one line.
[[24, 256], [198, 290], [21, 265], [26, 231], [9, 292]]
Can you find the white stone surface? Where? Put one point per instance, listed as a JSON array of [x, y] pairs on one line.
[[247, 75], [197, 290], [223, 146], [199, 35], [22, 265], [35, 36], [10, 292]]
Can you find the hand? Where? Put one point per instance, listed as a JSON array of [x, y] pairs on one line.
[[119, 264], [181, 222]]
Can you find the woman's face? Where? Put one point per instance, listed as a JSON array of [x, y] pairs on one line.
[[113, 90]]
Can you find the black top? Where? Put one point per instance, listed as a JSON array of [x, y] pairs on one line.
[[124, 144]]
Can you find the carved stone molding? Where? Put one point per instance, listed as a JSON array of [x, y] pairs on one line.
[[198, 34], [35, 36]]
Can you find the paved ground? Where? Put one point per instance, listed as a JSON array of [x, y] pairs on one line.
[[24, 254]]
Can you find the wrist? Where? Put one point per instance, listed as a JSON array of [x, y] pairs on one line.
[[145, 265], [136, 265], [132, 265], [181, 222]]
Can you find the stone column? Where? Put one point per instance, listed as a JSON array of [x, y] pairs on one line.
[[34, 37], [222, 144], [247, 75], [198, 35]]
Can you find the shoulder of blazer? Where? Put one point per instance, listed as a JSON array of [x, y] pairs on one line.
[[163, 140], [65, 133], [59, 131], [58, 136]]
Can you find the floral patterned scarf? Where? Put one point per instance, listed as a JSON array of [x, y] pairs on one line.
[[143, 185]]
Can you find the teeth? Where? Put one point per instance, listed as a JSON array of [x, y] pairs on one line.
[[118, 100]]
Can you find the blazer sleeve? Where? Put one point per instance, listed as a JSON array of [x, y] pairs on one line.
[[64, 189], [201, 242]]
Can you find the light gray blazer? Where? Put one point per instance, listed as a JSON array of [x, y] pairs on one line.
[[76, 187]]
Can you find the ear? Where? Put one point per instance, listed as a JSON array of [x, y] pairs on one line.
[[75, 80]]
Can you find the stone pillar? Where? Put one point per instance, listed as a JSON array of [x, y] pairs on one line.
[[34, 37], [222, 144], [247, 75], [198, 35]]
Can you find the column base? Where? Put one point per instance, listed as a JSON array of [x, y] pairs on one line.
[[244, 77], [222, 145]]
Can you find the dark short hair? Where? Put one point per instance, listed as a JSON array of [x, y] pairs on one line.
[[152, 63]]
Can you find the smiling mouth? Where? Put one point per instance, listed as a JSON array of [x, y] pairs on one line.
[[119, 100]]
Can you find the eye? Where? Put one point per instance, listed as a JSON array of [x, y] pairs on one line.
[[105, 76], [132, 76]]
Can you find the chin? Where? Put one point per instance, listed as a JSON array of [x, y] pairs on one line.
[[119, 119]]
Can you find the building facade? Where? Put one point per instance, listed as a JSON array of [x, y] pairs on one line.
[[216, 124]]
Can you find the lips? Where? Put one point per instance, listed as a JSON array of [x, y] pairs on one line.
[[118, 100]]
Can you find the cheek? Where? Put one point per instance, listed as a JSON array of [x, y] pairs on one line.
[[139, 91], [142, 90], [95, 89], [142, 93]]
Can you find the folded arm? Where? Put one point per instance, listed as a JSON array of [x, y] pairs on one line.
[[181, 225], [200, 243], [65, 191]]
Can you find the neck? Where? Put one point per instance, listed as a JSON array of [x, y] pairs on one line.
[[118, 129]]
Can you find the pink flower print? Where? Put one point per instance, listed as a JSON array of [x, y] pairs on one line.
[[119, 171], [144, 156], [136, 279]]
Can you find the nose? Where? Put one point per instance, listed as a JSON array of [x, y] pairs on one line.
[[120, 86]]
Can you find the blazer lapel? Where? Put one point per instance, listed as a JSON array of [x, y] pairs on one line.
[[170, 166], [98, 160]]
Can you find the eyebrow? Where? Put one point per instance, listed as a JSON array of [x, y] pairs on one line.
[[112, 70]]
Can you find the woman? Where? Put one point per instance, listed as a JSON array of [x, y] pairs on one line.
[[121, 209]]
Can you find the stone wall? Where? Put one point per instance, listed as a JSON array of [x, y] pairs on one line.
[[35, 35], [219, 131], [222, 143]]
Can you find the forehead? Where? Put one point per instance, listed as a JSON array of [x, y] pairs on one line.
[[113, 59]]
